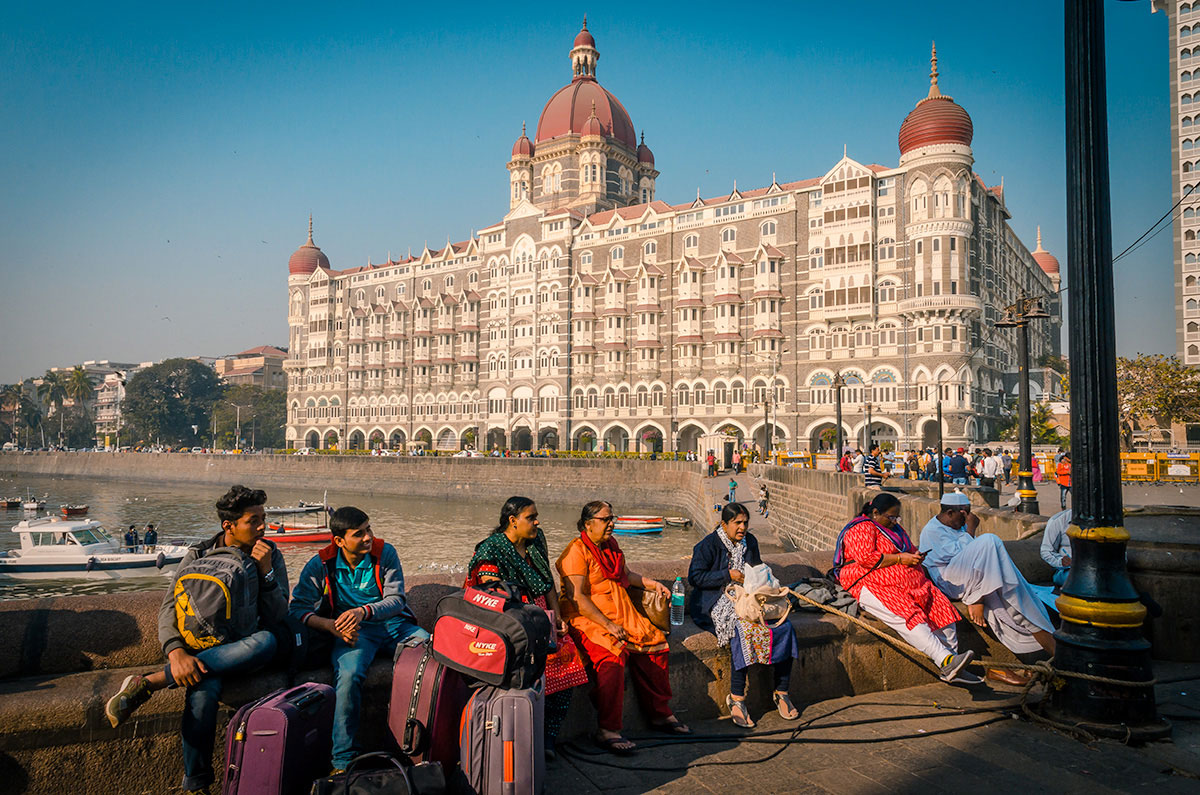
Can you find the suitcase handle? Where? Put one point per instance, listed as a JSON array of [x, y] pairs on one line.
[[414, 737], [309, 702]]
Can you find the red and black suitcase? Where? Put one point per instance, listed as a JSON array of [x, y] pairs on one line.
[[278, 744], [426, 703], [503, 745]]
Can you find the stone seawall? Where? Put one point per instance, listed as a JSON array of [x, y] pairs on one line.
[[674, 484]]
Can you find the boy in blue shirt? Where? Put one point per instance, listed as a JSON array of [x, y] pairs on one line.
[[354, 590]]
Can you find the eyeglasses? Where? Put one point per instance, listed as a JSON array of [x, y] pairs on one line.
[[608, 518]]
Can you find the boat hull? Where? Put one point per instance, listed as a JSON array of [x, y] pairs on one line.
[[638, 525], [105, 567], [300, 536]]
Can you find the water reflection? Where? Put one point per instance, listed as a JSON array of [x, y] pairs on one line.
[[431, 535]]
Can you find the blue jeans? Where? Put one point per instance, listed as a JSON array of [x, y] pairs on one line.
[[350, 664], [202, 700], [1060, 576], [781, 675], [960, 481]]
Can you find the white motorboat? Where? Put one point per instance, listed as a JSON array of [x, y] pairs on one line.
[[293, 510], [54, 548], [32, 503]]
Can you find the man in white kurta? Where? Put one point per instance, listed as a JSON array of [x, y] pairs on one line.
[[978, 570]]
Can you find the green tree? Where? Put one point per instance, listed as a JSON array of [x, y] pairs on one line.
[[79, 387], [52, 392], [165, 400], [1041, 426], [263, 415], [1156, 390], [10, 400]]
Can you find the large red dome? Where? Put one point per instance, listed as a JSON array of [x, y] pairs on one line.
[[568, 111], [308, 257], [1045, 260], [937, 119]]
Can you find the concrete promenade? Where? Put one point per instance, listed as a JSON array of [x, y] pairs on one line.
[[947, 748]]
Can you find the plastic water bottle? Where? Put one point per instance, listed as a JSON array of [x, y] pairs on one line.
[[677, 594]]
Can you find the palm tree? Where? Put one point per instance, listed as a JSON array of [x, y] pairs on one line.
[[52, 392], [79, 386], [10, 400]]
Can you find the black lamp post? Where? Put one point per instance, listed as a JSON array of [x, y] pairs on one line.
[[1018, 316], [868, 434], [838, 383], [1101, 632]]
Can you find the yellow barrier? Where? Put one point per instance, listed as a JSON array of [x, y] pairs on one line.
[[1139, 467], [1179, 467]]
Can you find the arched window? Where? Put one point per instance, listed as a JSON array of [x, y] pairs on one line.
[[729, 235], [617, 254], [767, 229], [585, 258], [816, 258], [691, 241], [650, 248]]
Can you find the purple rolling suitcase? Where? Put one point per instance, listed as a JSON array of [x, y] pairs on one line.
[[280, 743], [502, 742], [425, 707]]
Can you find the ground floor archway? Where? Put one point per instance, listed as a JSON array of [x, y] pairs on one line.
[[616, 439], [496, 439], [447, 439], [823, 437], [649, 440], [584, 439], [929, 433], [376, 440], [357, 440], [313, 440], [396, 441], [884, 435], [548, 438], [331, 440], [522, 439], [689, 438]]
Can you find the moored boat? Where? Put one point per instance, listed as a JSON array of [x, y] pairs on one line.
[[10, 503], [57, 548], [74, 510], [32, 503], [638, 525], [283, 533]]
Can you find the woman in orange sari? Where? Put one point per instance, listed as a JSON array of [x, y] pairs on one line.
[[611, 632]]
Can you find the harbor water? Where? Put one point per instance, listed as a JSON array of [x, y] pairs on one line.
[[431, 535]]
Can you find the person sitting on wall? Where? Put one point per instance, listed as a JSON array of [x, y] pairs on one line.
[[976, 568], [718, 559], [876, 561], [353, 589], [611, 633], [1056, 545], [202, 671]]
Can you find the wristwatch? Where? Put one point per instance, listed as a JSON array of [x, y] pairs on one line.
[[269, 576]]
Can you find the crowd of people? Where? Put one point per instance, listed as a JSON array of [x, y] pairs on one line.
[[983, 467], [351, 594]]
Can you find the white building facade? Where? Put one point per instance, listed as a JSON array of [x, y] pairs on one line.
[[596, 316]]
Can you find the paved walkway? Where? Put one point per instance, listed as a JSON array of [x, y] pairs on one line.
[[747, 494], [929, 739]]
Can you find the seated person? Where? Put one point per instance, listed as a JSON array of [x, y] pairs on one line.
[[611, 632], [354, 590], [977, 569], [202, 671], [879, 565], [720, 558], [1056, 546], [516, 552]]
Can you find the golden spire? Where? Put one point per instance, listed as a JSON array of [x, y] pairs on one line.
[[933, 73], [1039, 238], [310, 240]]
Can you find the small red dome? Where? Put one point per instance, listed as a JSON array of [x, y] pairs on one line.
[[523, 147], [568, 110], [1046, 261], [592, 126], [308, 257], [643, 152], [584, 39]]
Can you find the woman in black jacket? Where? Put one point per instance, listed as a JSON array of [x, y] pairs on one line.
[[719, 559]]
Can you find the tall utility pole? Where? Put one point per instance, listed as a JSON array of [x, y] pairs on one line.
[[838, 383], [1101, 632]]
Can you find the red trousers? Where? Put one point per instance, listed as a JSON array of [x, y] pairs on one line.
[[651, 683]]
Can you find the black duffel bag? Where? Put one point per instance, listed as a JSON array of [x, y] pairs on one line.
[[391, 777], [489, 634]]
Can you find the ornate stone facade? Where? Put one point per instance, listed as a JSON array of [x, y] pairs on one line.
[[594, 315]]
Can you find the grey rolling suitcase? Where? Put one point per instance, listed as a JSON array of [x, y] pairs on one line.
[[502, 746]]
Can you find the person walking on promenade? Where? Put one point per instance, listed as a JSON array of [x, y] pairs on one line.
[[956, 467], [719, 560], [250, 646], [353, 589], [1006, 462], [873, 472], [876, 561], [1062, 474], [737, 462], [762, 498], [611, 633], [845, 463], [516, 552], [712, 464], [733, 484], [989, 470]]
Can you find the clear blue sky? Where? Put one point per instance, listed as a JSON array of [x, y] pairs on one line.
[[159, 161]]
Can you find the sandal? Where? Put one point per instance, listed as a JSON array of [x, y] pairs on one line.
[[739, 713], [787, 710], [671, 725], [618, 746]]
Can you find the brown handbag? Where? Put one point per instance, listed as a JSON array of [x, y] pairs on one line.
[[654, 605]]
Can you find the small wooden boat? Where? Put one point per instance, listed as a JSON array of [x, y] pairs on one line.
[[34, 503], [282, 533], [10, 503], [638, 525], [74, 510], [677, 521]]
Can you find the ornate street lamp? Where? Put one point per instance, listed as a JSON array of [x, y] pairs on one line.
[[838, 383], [867, 446], [1017, 316]]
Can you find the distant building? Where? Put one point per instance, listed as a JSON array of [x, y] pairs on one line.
[[596, 315], [110, 394], [1182, 30], [261, 366]]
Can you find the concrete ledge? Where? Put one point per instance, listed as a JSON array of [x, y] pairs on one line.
[[75, 651]]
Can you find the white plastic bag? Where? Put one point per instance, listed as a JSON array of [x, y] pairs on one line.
[[759, 577]]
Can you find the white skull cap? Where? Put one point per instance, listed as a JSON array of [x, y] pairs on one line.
[[955, 498]]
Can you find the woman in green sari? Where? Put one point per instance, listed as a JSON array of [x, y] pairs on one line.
[[516, 552]]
